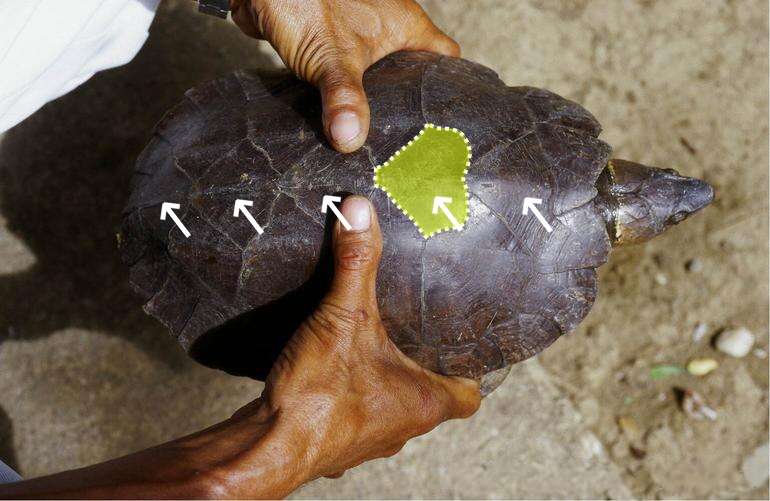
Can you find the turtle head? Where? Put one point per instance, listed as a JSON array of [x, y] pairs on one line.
[[640, 202]]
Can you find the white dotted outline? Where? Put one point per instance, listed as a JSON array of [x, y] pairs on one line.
[[465, 173]]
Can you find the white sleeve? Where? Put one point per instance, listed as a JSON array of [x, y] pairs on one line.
[[49, 47]]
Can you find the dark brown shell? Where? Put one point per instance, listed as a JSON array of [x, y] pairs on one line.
[[462, 303]]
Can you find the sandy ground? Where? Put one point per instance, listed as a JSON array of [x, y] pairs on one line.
[[86, 376]]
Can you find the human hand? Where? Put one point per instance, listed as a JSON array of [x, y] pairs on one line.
[[341, 393], [330, 43]]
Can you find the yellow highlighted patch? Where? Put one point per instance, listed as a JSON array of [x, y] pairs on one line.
[[433, 164]]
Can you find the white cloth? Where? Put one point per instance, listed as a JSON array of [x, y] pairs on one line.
[[49, 47]]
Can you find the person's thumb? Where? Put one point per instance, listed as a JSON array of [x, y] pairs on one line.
[[356, 257], [345, 108]]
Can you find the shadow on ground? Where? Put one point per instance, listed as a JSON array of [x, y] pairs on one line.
[[64, 179]]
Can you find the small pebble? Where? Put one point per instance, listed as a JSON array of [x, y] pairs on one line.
[[699, 332], [759, 353], [755, 466], [701, 366], [694, 265], [661, 279], [735, 342], [591, 447], [696, 407]]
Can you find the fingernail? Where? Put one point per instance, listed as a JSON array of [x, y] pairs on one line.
[[345, 127], [357, 211]]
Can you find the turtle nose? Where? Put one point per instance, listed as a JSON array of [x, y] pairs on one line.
[[694, 194]]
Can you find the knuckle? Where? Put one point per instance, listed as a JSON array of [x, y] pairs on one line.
[[335, 77], [341, 88], [355, 255]]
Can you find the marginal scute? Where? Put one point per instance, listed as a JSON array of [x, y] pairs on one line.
[[577, 241], [171, 302], [547, 107], [159, 179], [464, 303]]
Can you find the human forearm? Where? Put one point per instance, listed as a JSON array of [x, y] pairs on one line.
[[249, 455]]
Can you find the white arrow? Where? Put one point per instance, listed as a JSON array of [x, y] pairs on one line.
[[529, 205], [328, 203], [440, 203], [240, 206], [168, 209]]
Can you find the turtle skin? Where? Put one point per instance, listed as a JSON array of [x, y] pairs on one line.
[[465, 303]]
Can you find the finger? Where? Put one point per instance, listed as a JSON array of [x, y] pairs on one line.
[[345, 107], [432, 39], [356, 256], [463, 396], [244, 18]]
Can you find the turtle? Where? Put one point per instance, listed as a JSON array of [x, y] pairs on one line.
[[468, 302]]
